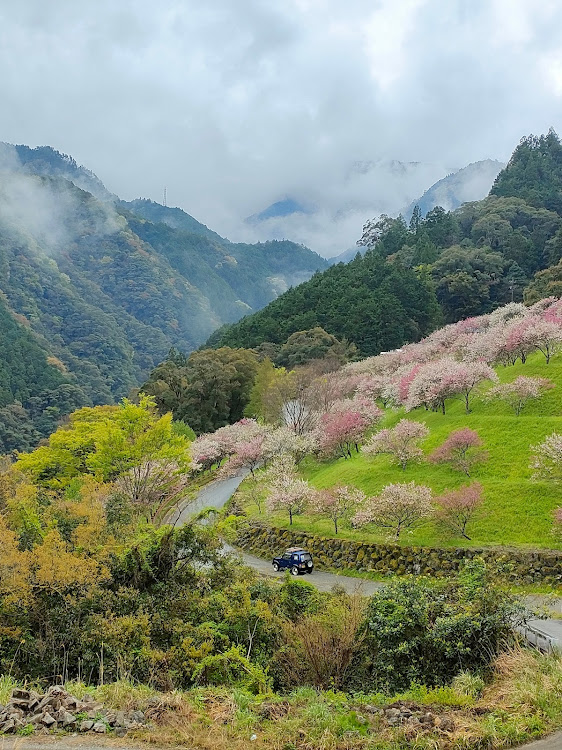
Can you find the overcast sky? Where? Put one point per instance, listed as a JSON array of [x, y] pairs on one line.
[[233, 104]]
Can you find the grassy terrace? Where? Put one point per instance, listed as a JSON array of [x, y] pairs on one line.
[[517, 511]]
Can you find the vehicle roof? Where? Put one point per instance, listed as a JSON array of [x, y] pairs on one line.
[[296, 549]]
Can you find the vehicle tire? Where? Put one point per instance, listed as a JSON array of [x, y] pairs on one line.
[[294, 570], [309, 571], [276, 567]]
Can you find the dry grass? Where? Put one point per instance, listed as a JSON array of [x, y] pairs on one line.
[[203, 724], [321, 648], [123, 694], [522, 702], [529, 681]]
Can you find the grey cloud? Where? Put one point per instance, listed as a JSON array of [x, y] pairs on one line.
[[45, 212], [234, 105]]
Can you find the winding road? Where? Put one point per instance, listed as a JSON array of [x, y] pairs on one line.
[[213, 495], [216, 495], [546, 634]]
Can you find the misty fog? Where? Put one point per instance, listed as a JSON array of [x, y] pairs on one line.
[[233, 106]]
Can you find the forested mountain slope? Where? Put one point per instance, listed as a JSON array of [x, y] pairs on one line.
[[368, 301], [107, 291], [471, 183], [484, 254], [534, 173], [173, 217], [44, 160], [35, 389]]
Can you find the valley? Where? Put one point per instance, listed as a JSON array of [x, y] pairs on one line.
[[281, 375], [398, 415], [105, 293]]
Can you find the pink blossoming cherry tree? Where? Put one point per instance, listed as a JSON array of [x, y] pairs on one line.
[[400, 442], [336, 502], [399, 507], [462, 450], [458, 507]]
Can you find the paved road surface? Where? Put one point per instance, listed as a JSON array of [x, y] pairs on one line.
[[554, 742], [323, 581], [78, 742], [216, 495]]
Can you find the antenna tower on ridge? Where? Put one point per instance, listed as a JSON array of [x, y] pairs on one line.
[[165, 196]]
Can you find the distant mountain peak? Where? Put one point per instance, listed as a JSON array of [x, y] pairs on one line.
[[326, 216], [471, 183], [47, 161], [285, 207]]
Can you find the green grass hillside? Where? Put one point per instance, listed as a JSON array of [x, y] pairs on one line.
[[516, 509]]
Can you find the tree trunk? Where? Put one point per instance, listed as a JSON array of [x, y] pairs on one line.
[[290, 517], [336, 524]]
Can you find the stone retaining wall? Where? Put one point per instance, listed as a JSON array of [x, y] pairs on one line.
[[523, 566]]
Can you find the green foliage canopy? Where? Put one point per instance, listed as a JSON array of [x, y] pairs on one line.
[[374, 303], [208, 389], [105, 442]]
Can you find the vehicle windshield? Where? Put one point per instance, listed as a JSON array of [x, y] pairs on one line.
[[306, 557]]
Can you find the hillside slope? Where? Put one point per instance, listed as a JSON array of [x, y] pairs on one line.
[[368, 301], [476, 258], [495, 381], [175, 218], [35, 389], [472, 183], [534, 173], [46, 161], [516, 511], [90, 281], [107, 291]]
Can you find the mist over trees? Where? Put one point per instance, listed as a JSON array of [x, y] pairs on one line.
[[106, 289], [443, 267], [104, 292]]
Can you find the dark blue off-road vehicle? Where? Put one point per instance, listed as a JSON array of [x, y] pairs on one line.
[[295, 559]]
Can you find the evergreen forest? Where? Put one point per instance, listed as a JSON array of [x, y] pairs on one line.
[[440, 268], [105, 289]]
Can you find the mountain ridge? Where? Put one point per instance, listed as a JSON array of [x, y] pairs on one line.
[[471, 183], [106, 292], [481, 256]]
